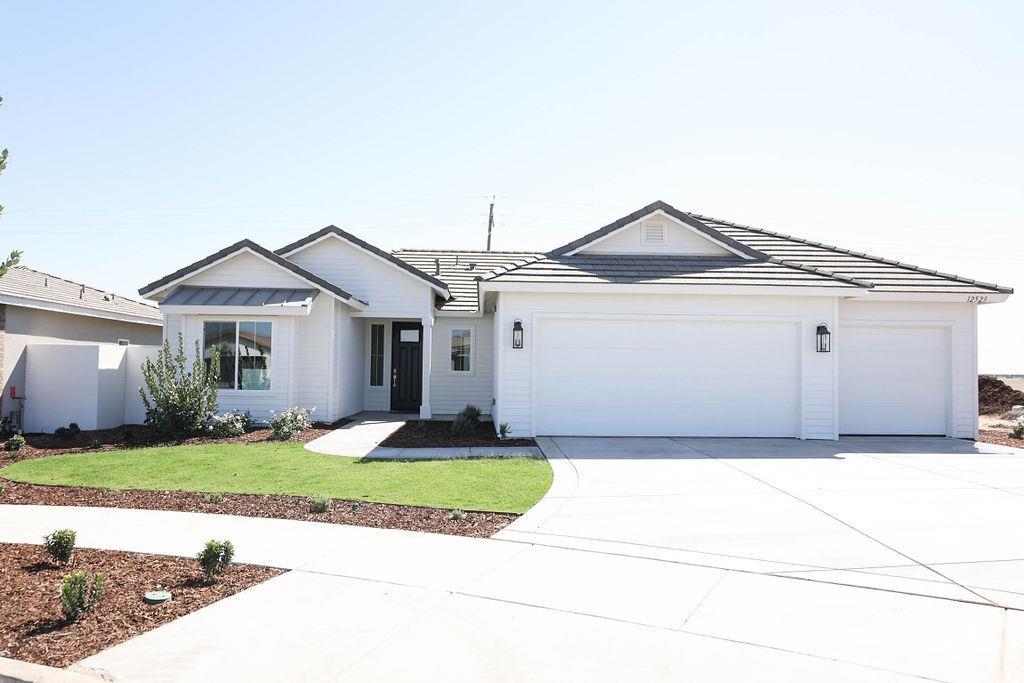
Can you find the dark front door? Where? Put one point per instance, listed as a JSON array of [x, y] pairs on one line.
[[406, 366]]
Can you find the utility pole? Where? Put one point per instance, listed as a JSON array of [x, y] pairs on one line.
[[490, 223]]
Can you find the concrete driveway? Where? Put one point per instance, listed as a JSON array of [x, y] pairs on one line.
[[937, 517]]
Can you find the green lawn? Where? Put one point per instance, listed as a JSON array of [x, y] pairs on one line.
[[502, 485]]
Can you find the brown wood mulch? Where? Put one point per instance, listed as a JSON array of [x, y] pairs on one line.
[[996, 396], [358, 513], [32, 627], [137, 436], [438, 434], [999, 438]]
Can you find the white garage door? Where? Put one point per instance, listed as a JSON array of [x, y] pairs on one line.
[[892, 380], [667, 377]]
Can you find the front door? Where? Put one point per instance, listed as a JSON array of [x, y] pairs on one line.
[[406, 366]]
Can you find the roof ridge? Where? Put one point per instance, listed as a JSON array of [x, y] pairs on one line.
[[859, 254], [463, 251], [82, 284], [505, 269]]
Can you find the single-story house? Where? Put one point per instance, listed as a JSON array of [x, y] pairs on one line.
[[37, 308], [661, 323]]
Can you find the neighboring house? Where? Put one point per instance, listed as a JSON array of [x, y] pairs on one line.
[[38, 308], [662, 323]]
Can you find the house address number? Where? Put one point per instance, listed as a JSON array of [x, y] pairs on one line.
[[977, 299]]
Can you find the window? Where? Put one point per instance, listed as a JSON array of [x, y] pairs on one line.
[[123, 342], [244, 348], [462, 347], [376, 355]]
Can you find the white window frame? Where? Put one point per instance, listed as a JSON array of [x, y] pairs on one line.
[[472, 350], [237, 323], [124, 342]]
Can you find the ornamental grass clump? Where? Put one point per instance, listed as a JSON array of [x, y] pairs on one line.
[[215, 557], [79, 593], [466, 421], [319, 504], [178, 400]]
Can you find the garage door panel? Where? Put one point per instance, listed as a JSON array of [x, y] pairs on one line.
[[893, 380], [667, 377]]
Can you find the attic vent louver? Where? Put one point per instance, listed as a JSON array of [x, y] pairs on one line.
[[654, 233]]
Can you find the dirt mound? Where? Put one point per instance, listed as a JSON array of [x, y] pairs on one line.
[[996, 396]]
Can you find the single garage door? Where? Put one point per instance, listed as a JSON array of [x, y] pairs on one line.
[[667, 377], [892, 380]]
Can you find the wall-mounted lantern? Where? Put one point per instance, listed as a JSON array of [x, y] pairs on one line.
[[824, 338], [517, 334]]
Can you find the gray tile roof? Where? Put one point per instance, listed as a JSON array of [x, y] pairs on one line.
[[238, 296], [668, 270], [33, 285], [461, 270]]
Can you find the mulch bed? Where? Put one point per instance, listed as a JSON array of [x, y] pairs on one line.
[[996, 396], [438, 434], [137, 436], [32, 627], [999, 438], [359, 513]]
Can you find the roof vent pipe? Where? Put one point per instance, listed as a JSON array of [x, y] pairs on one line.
[[437, 266]]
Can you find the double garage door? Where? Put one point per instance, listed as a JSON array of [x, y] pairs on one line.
[[676, 377]]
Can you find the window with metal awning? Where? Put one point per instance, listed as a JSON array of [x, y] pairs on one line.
[[189, 299]]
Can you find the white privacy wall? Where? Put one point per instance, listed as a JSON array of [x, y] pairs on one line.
[[960, 318], [94, 385], [515, 390]]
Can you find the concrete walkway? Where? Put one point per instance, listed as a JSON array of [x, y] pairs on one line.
[[359, 437], [381, 605]]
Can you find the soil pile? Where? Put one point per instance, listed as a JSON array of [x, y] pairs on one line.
[[996, 396]]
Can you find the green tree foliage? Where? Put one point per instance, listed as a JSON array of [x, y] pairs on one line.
[[178, 400], [15, 256]]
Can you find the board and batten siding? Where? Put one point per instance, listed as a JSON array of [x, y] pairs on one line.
[[961, 320], [515, 391], [451, 391]]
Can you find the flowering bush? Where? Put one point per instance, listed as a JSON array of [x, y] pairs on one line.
[[289, 424], [234, 423]]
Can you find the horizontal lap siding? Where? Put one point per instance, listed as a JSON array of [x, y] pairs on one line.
[[451, 392], [963, 344], [515, 393]]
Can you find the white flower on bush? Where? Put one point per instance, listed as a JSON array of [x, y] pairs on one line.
[[290, 423], [234, 423]]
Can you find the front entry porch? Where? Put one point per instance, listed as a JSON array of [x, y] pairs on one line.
[[397, 374]]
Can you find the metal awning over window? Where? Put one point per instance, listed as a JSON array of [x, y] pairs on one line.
[[188, 299]]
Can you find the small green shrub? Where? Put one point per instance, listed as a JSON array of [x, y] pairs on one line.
[[215, 557], [466, 421], [1018, 431], [95, 443], [288, 424], [319, 504], [3, 487], [354, 506], [213, 498], [458, 515], [14, 443], [503, 430], [60, 544], [69, 432], [234, 423], [79, 594]]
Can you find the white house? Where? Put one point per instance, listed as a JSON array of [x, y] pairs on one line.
[[661, 323]]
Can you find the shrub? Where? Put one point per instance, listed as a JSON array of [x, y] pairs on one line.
[[60, 544], [95, 443], [79, 594], [178, 400], [69, 432], [503, 430], [14, 443], [1018, 431], [3, 487], [466, 421], [212, 498], [215, 557], [458, 515], [234, 423], [289, 424], [319, 504]]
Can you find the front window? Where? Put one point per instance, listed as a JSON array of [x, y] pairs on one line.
[[244, 348], [462, 347], [376, 355]]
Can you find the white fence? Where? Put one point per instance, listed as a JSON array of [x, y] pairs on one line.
[[95, 385]]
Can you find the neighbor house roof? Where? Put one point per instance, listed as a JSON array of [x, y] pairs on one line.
[[461, 270], [289, 249], [23, 286], [243, 245]]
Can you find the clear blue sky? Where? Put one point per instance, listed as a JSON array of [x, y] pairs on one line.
[[146, 135]]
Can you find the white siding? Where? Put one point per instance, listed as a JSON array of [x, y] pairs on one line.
[[352, 359], [391, 292], [450, 392], [516, 393], [680, 240], [961, 320], [312, 357], [246, 270]]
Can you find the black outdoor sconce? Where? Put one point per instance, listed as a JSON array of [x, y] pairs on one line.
[[824, 338], [517, 334]]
